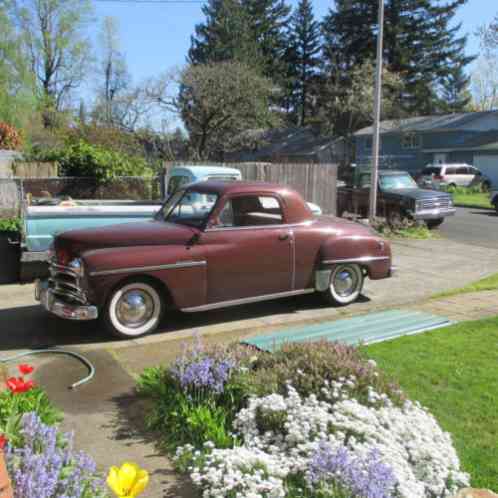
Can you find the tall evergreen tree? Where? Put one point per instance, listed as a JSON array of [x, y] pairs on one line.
[[303, 61], [224, 35], [419, 44]]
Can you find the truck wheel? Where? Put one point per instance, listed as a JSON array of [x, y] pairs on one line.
[[346, 284], [133, 309], [434, 223]]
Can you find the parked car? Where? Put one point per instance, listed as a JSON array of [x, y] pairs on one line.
[[249, 242], [438, 176], [493, 197], [398, 197]]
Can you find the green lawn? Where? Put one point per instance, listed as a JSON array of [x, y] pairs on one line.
[[485, 284], [477, 200], [454, 373]]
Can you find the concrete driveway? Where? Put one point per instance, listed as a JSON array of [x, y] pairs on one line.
[[478, 227], [425, 267]]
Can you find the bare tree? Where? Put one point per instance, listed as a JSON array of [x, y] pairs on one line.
[[59, 52], [484, 78]]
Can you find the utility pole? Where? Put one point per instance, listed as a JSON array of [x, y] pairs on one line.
[[377, 108]]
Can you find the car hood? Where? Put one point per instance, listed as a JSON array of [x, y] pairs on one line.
[[145, 233], [417, 194]]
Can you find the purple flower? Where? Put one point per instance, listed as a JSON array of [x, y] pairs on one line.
[[197, 369], [46, 466], [340, 469]]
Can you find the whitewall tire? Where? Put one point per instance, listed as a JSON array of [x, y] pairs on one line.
[[346, 284], [133, 310]]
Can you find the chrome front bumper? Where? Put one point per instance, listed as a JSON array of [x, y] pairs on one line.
[[434, 214], [60, 308]]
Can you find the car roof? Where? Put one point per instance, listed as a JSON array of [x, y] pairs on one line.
[[234, 187]]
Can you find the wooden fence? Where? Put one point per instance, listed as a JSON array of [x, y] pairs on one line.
[[316, 182]]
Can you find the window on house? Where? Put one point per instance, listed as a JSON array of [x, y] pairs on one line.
[[411, 141]]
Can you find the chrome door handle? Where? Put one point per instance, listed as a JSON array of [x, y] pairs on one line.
[[283, 236]]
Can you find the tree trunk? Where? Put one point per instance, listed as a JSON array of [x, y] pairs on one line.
[[5, 487]]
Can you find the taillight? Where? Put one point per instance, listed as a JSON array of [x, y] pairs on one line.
[[438, 177]]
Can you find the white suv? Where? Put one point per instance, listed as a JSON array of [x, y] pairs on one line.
[[452, 175]]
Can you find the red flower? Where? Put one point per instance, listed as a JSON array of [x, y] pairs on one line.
[[25, 369], [3, 441], [18, 385]]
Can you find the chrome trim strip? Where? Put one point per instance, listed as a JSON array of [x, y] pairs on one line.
[[247, 300], [293, 259], [364, 259], [173, 266], [261, 227]]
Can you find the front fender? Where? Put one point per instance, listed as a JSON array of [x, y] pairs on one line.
[[182, 270], [370, 252]]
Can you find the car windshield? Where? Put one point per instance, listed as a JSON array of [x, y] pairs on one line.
[[396, 181], [188, 207]]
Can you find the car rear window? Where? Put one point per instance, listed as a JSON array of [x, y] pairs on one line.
[[432, 171]]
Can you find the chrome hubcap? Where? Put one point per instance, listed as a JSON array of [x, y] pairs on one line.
[[345, 282], [135, 308]]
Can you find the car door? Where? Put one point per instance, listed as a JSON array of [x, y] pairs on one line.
[[249, 248]]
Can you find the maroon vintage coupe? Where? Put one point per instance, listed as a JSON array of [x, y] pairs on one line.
[[212, 245]]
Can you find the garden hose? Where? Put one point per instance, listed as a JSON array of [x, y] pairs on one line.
[[91, 368]]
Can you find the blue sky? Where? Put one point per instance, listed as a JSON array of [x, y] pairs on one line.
[[157, 37]]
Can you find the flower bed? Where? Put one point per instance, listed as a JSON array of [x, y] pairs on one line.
[[314, 420], [40, 459]]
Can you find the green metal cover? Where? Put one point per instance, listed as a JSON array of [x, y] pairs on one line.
[[365, 329]]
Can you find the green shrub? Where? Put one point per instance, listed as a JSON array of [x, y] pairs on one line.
[[79, 158], [475, 189], [10, 225]]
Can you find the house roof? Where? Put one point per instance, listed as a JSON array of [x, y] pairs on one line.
[[485, 141], [284, 142], [457, 121]]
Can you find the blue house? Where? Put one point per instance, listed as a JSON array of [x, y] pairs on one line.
[[410, 144]]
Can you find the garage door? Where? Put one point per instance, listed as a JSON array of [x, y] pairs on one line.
[[488, 164]]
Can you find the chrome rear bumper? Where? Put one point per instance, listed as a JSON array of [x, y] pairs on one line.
[[58, 307]]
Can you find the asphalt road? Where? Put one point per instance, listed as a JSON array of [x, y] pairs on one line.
[[476, 227]]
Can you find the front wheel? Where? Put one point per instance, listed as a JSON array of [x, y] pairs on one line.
[[346, 284], [434, 223], [133, 309]]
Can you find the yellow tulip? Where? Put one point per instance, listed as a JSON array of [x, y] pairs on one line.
[[128, 481]]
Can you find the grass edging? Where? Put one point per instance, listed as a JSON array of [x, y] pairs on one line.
[[485, 284]]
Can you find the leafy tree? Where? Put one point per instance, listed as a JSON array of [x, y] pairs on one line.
[[219, 101], [346, 108], [57, 50], [17, 101], [420, 45], [302, 58], [455, 92]]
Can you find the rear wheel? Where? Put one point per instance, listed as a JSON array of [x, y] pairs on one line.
[[133, 309], [346, 284], [434, 223]]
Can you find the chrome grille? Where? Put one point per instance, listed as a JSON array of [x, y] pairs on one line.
[[66, 284], [435, 203]]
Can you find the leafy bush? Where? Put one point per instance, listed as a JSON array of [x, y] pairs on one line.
[[10, 138], [404, 228], [475, 189], [46, 464], [10, 225], [79, 158]]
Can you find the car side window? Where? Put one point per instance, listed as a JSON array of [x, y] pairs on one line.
[[451, 171], [250, 210]]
